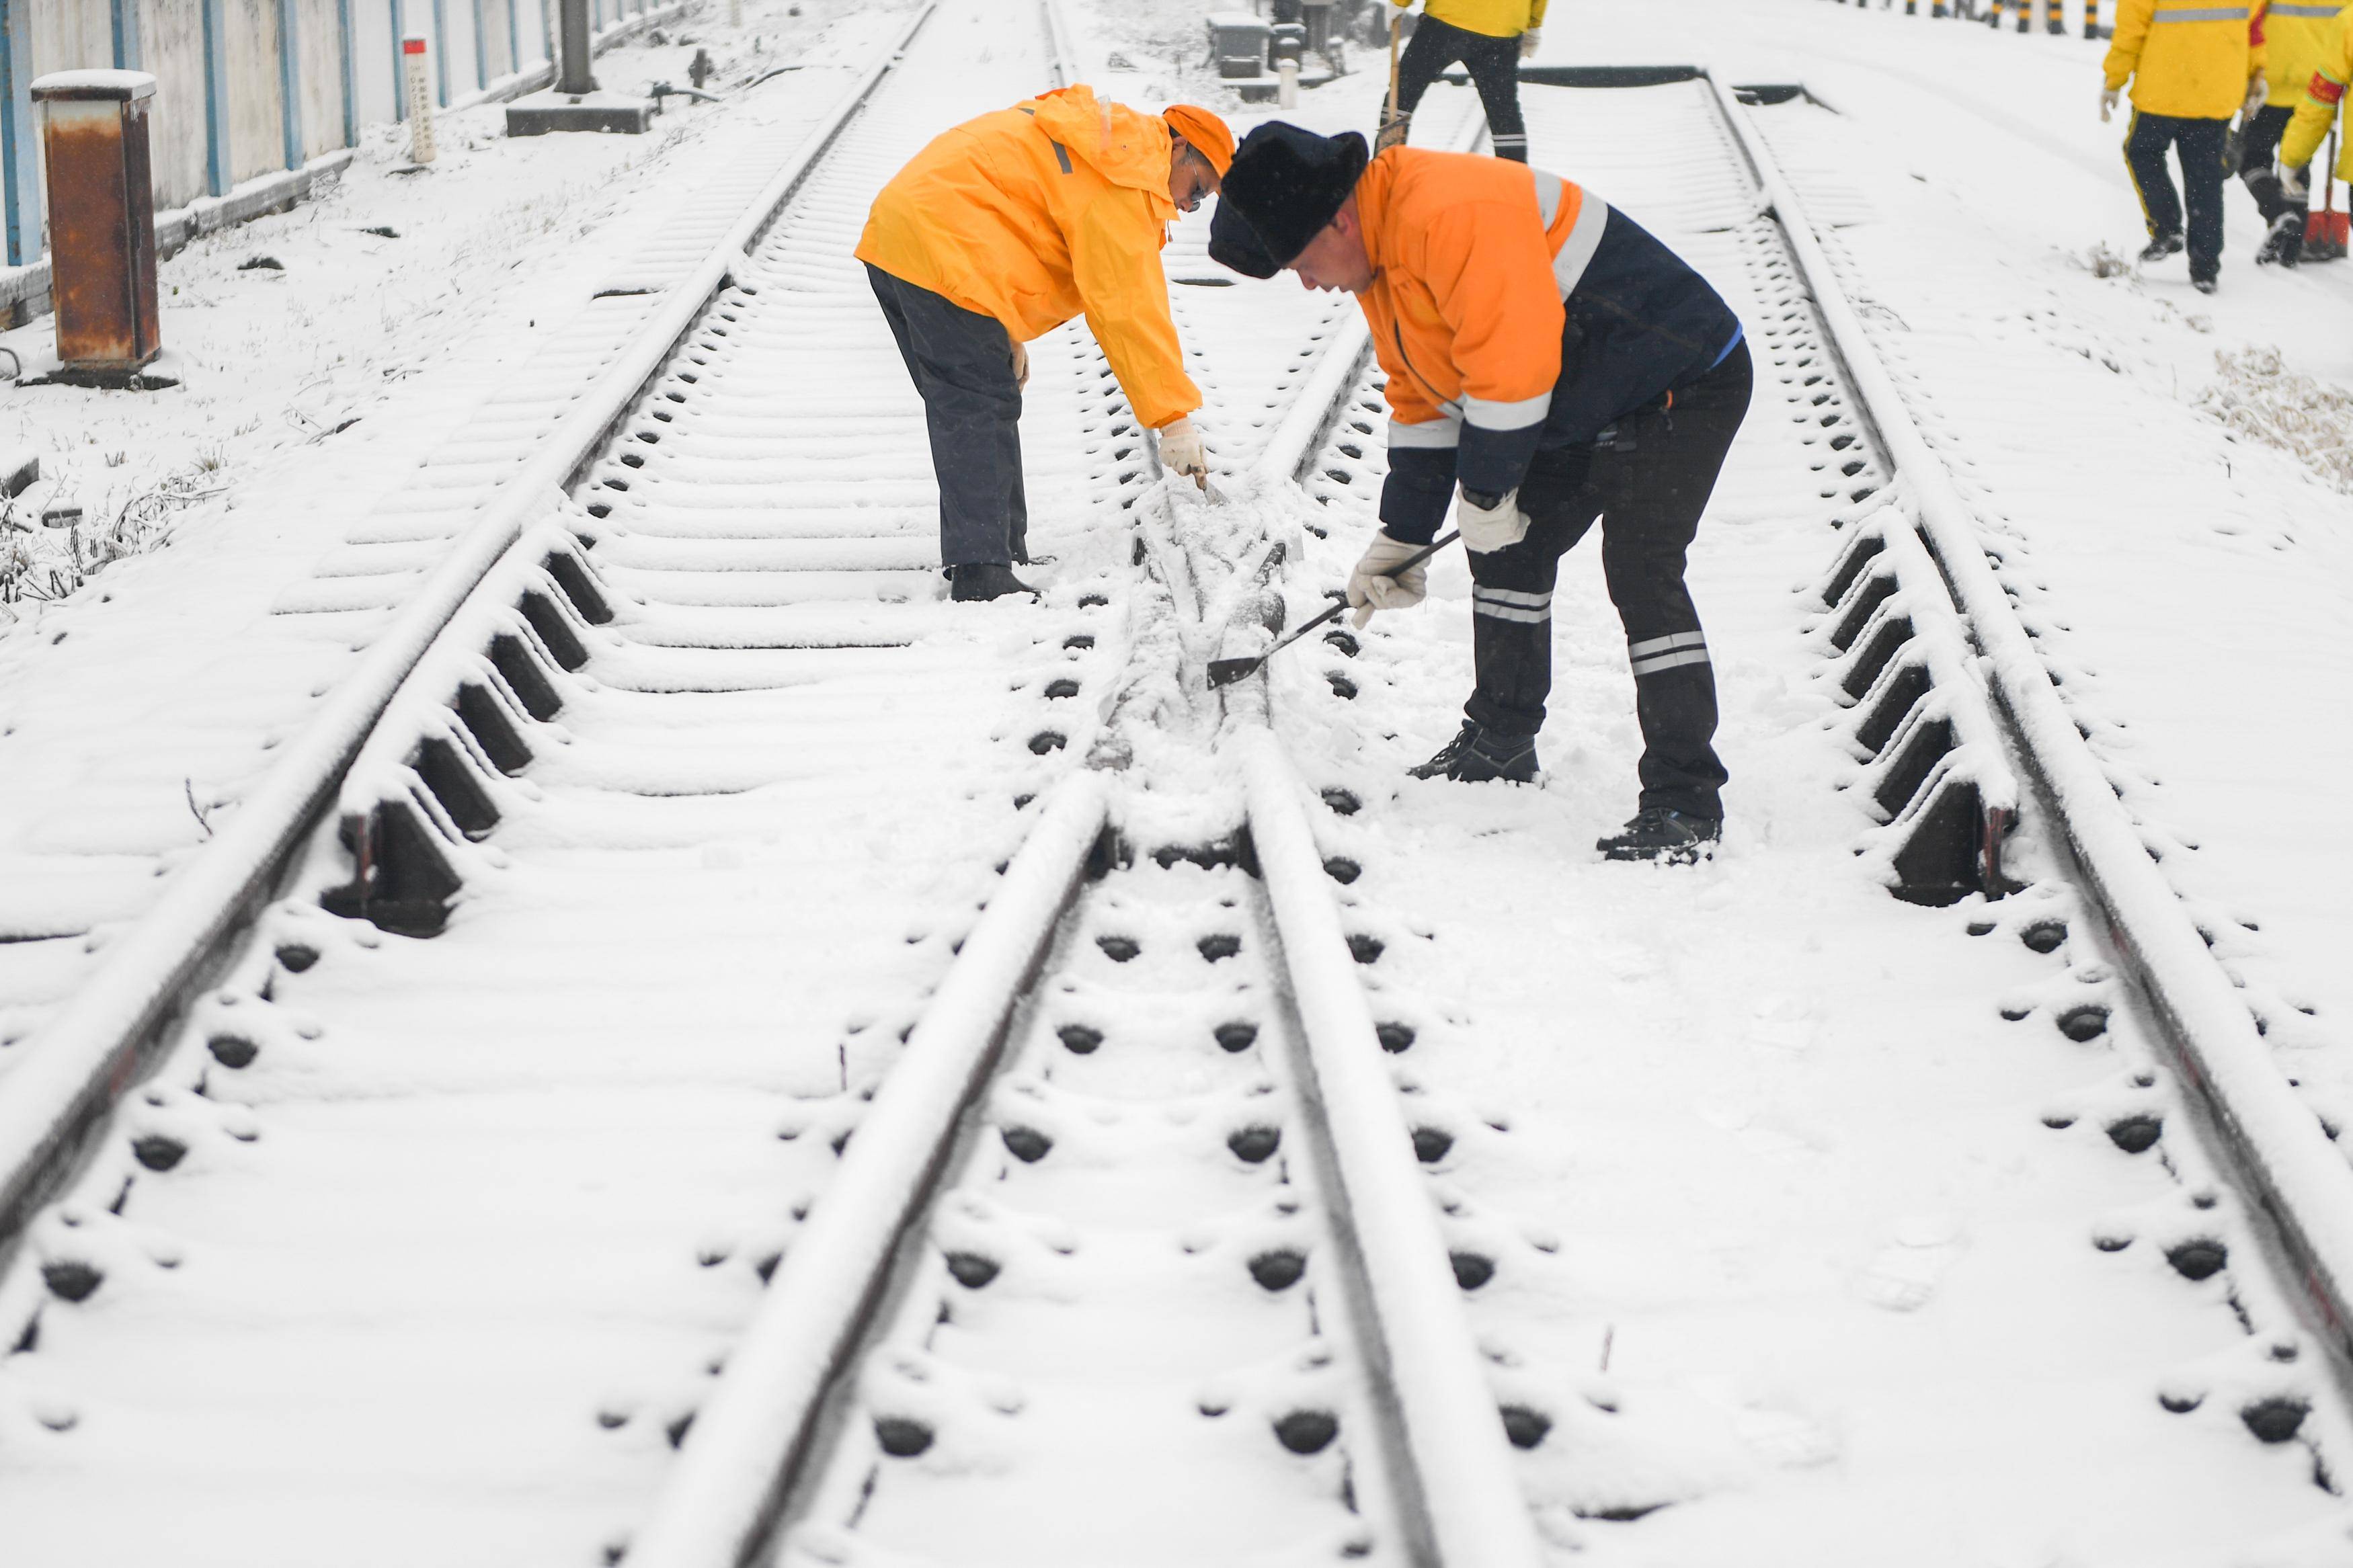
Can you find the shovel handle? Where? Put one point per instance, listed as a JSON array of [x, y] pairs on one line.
[[1342, 608]]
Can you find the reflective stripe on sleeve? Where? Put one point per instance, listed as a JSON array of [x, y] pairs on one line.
[[1549, 187], [2323, 12], [1446, 431], [2203, 14], [1517, 414], [1584, 238]]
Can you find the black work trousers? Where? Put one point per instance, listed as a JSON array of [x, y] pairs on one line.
[[1495, 67], [2198, 145], [2258, 151], [962, 362], [1648, 487]]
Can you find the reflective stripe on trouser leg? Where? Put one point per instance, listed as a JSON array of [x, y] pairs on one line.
[[1652, 655], [1511, 636]]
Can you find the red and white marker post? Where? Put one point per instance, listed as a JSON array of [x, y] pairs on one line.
[[420, 101]]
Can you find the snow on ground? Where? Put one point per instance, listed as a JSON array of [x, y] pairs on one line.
[[137, 707], [2184, 571], [1806, 1250]]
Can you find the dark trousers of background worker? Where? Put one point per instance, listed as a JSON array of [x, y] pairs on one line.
[[1494, 67], [2200, 146], [2258, 150], [962, 362], [1648, 488]]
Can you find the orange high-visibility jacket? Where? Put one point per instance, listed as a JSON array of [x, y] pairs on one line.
[[1037, 212], [1465, 313], [2322, 97], [2296, 37], [2189, 58], [1513, 310]]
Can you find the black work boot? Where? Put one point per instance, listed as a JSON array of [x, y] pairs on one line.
[[987, 580], [2284, 243], [1657, 833], [2161, 247], [1479, 753]]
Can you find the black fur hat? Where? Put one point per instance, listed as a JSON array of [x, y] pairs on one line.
[[1233, 243], [1286, 184]]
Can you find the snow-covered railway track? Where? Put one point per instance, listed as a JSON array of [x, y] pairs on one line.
[[467, 1222], [559, 980], [2278, 1153], [1757, 1284]]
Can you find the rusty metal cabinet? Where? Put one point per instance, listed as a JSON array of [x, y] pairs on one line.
[[101, 220]]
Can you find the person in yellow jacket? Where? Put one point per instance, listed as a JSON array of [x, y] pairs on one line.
[[999, 231], [1550, 365], [2192, 64], [2323, 96], [2297, 38], [1486, 37]]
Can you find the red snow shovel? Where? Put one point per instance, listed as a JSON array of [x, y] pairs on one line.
[[1226, 671]]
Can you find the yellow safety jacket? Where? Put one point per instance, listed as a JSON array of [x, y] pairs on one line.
[[2296, 36], [1037, 212], [2322, 95], [1497, 18], [2189, 58]]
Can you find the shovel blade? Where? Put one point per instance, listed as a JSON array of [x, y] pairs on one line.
[[1226, 671]]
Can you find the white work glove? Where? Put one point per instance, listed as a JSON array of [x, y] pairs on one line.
[[2108, 99], [1371, 585], [2258, 88], [1528, 43], [1487, 529], [1180, 451], [2295, 184], [1021, 366], [1392, 135]]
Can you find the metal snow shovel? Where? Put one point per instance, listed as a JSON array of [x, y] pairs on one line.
[[1226, 671]]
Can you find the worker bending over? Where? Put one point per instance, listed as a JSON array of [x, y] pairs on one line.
[[2297, 35], [1488, 39], [1549, 363], [2192, 64], [2323, 95], [998, 232]]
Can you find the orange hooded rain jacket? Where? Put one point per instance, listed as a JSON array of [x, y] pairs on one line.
[[1038, 213]]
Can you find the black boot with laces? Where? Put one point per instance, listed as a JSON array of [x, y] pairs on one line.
[[1478, 753], [1657, 833], [2160, 247]]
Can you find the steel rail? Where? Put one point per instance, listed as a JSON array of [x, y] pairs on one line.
[[2275, 1146], [75, 1069], [724, 1497], [753, 1442], [1450, 1456]]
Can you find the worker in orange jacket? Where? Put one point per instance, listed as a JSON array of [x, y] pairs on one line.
[[1549, 365], [999, 231], [2192, 64]]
